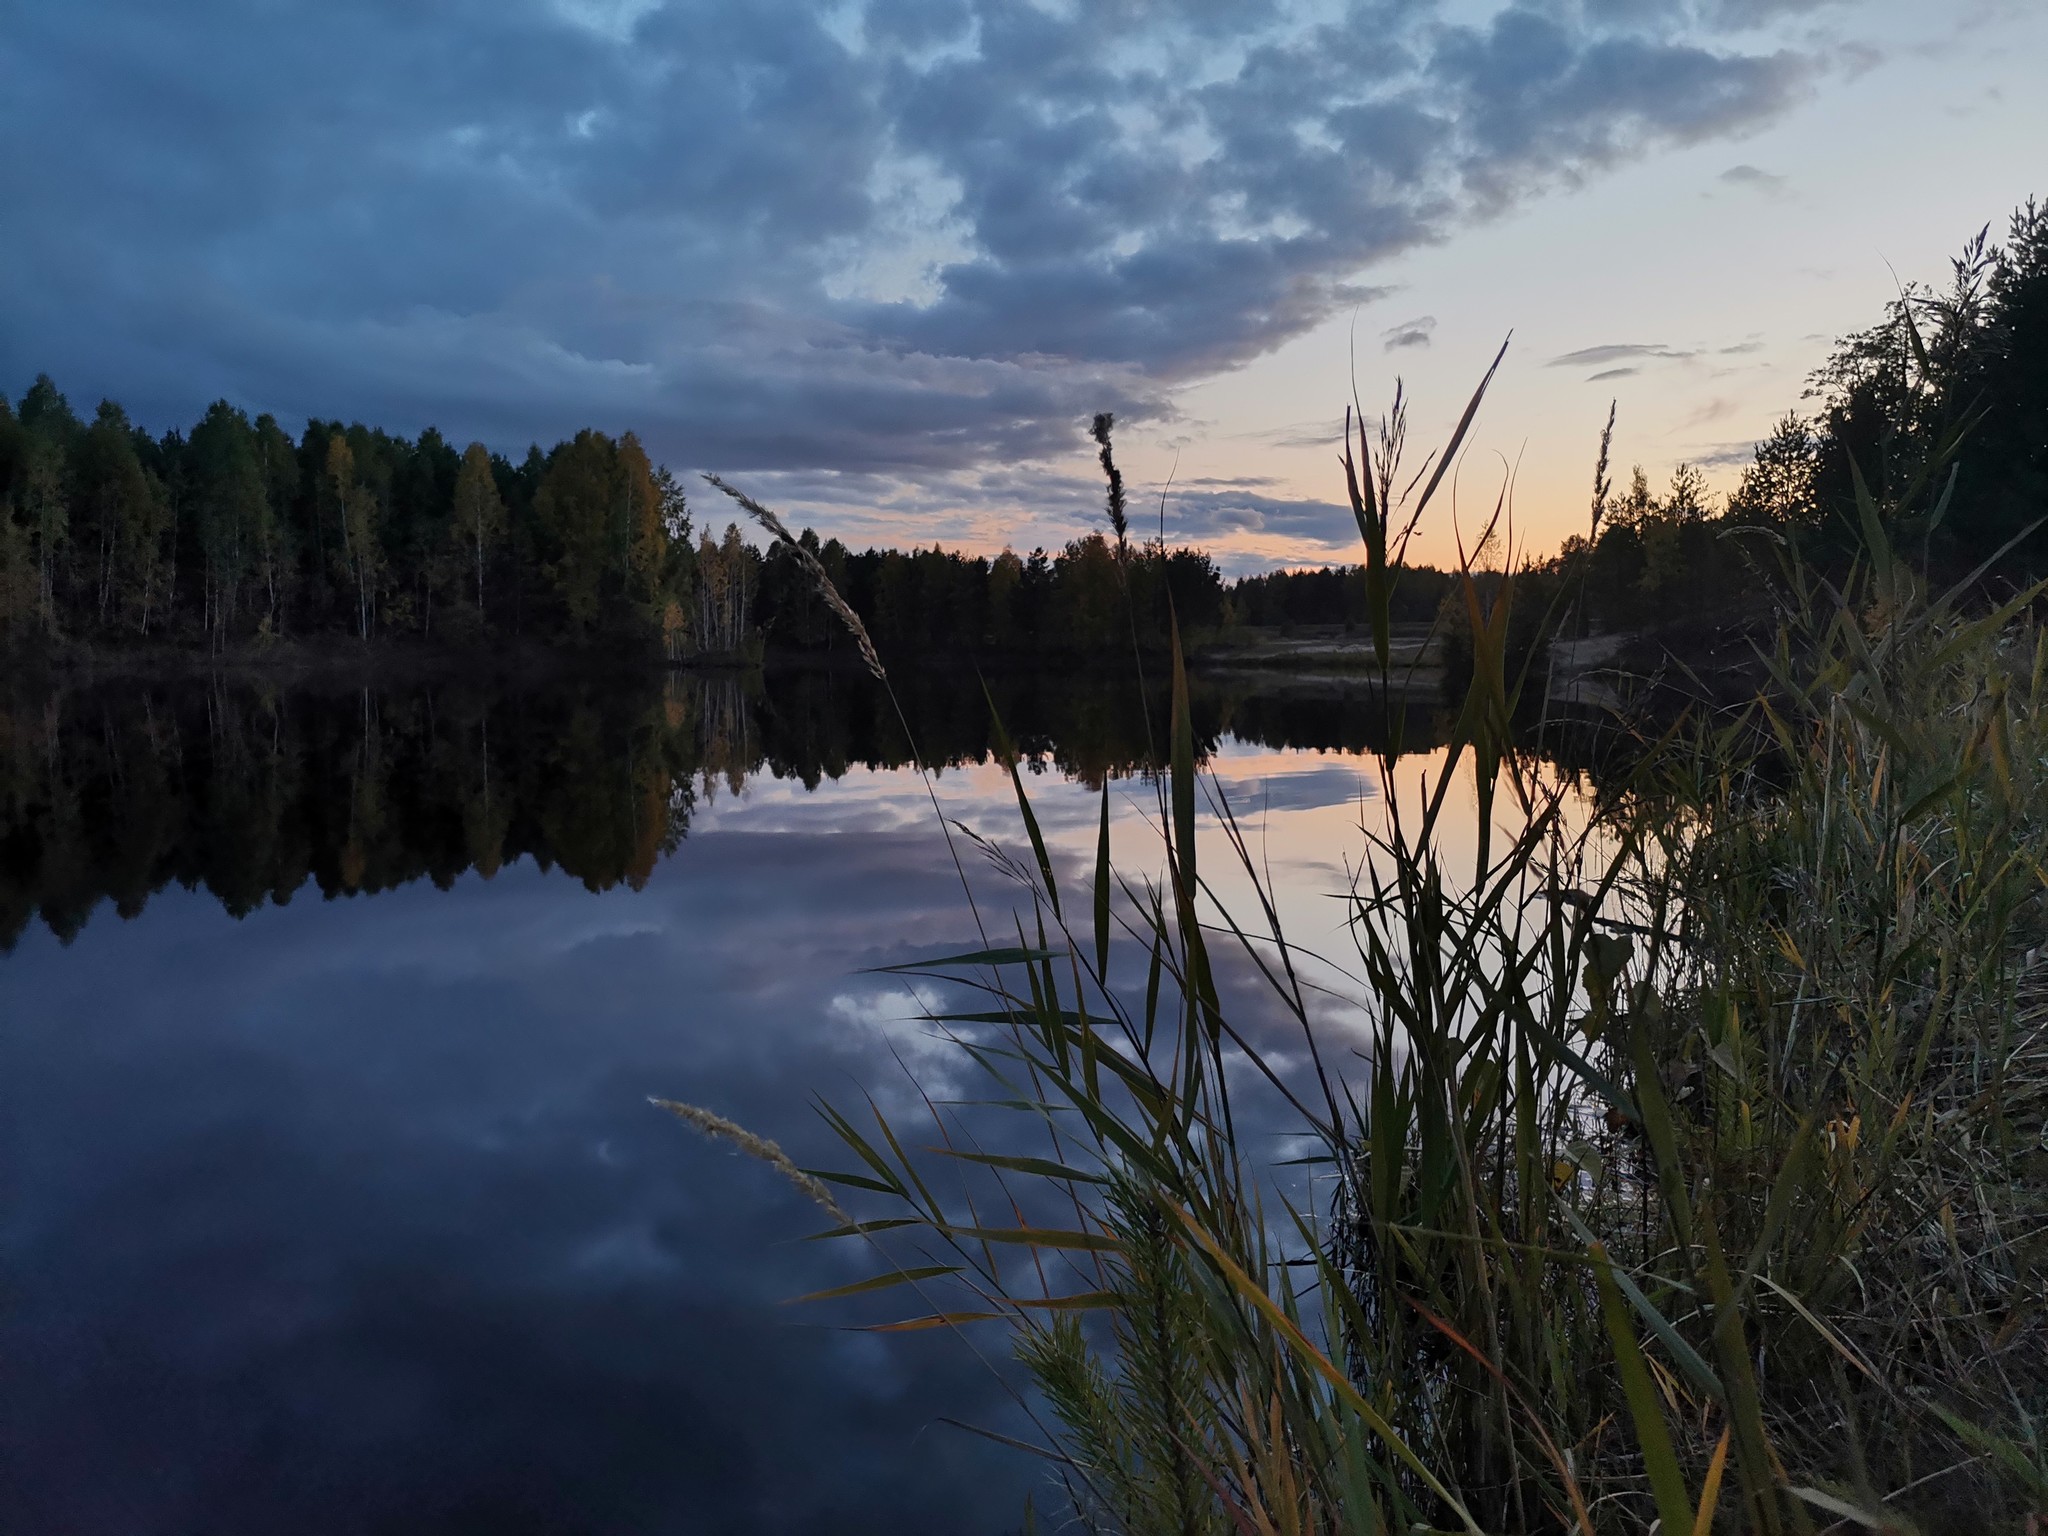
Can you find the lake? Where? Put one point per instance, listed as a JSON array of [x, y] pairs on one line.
[[328, 1023]]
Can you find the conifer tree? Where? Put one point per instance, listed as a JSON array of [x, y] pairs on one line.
[[117, 511], [573, 510], [48, 519], [1777, 487], [232, 512]]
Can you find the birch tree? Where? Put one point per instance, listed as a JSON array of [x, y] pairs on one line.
[[479, 512]]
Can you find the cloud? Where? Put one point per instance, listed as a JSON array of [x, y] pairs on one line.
[[1751, 179], [899, 1021], [1307, 434], [1409, 333], [1613, 373], [1240, 520], [904, 241], [1716, 409], [1212, 516], [1724, 455], [1615, 352]]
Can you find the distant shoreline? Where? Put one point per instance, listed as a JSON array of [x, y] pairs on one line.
[[1595, 670]]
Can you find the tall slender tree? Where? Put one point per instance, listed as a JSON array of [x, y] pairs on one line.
[[479, 520], [115, 507], [46, 511], [355, 512], [231, 509], [574, 511]]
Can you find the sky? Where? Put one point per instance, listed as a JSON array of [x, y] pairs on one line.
[[880, 262]]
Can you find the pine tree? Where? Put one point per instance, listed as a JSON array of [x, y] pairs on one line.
[[46, 511], [231, 511], [17, 565], [574, 510], [119, 513], [1688, 501], [1777, 488]]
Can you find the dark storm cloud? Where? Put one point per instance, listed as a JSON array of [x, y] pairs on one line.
[[1543, 103], [928, 235]]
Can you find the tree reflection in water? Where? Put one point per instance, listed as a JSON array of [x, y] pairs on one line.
[[108, 794]]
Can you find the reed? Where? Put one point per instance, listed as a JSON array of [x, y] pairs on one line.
[[1694, 1176]]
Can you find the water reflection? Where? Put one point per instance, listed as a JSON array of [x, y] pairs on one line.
[[351, 1215], [110, 794]]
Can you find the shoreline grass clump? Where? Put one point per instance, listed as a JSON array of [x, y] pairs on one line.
[[1692, 1174]]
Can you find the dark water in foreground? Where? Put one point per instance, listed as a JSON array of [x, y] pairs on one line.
[[350, 1214]]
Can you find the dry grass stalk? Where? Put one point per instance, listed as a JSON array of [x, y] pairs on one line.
[[813, 568], [719, 1128]]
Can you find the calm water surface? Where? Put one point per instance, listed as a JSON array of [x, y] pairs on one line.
[[333, 1199]]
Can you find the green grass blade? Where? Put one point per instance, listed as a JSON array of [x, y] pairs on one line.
[[1102, 886], [882, 1282], [1653, 1436]]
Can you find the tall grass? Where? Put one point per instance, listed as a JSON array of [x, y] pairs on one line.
[[1693, 1173]]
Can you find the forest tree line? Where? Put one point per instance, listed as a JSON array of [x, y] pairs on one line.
[[237, 532]]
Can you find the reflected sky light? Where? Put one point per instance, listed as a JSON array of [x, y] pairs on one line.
[[352, 1215]]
